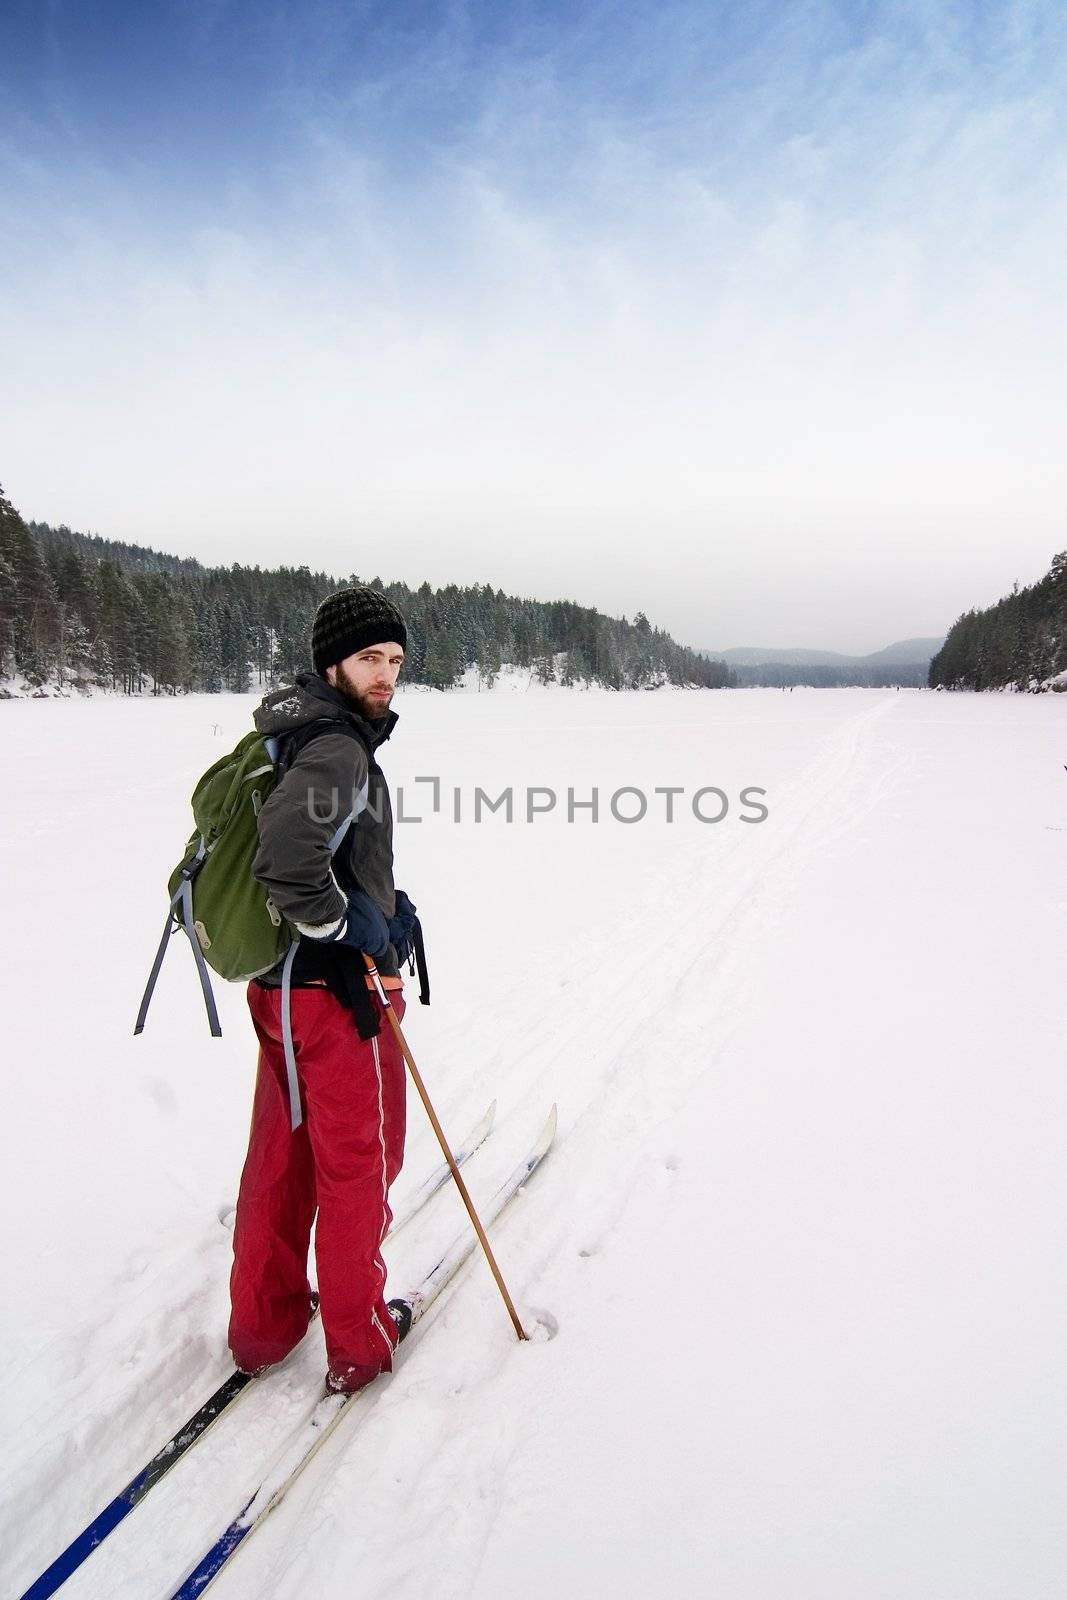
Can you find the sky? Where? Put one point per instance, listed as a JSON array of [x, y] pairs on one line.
[[750, 317]]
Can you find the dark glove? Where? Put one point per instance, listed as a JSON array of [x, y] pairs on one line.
[[364, 927], [402, 927]]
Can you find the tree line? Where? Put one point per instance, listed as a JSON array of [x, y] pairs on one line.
[[787, 675], [1020, 642], [79, 611]]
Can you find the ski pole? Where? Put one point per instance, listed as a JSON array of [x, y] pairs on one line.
[[416, 1077]]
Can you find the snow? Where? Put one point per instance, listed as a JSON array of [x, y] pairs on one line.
[[795, 1265]]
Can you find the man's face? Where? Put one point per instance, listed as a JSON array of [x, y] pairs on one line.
[[368, 678]]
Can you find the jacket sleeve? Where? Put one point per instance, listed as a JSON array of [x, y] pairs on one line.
[[300, 817]]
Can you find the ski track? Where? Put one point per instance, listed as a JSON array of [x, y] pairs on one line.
[[627, 1042], [624, 1099], [606, 1120]]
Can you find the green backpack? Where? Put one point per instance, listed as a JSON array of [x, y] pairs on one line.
[[229, 918]]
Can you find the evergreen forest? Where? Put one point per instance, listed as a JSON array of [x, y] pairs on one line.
[[1021, 642], [78, 611]]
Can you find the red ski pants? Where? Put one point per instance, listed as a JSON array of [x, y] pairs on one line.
[[341, 1160]]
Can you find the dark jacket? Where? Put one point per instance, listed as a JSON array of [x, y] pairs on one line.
[[315, 794]]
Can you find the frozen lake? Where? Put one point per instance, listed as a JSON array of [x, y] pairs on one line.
[[803, 1230]]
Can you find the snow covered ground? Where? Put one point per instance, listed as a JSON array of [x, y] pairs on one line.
[[802, 1232]]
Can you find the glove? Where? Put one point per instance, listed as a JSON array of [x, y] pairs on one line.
[[402, 927], [364, 927]]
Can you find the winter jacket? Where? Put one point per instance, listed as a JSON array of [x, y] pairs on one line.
[[301, 815]]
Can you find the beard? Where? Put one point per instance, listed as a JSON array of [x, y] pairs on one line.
[[372, 710]]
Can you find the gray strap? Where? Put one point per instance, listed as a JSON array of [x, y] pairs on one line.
[[169, 927], [182, 895], [185, 891], [296, 1116], [339, 833]]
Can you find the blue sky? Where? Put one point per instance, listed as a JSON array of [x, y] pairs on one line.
[[748, 316]]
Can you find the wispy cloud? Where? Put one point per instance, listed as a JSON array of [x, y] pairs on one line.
[[643, 302]]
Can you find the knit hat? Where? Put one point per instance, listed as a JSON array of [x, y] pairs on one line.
[[350, 620]]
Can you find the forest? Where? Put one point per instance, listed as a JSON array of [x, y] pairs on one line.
[[1021, 642], [78, 612], [815, 675]]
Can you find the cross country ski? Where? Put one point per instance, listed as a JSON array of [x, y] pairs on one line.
[[223, 1399], [329, 1411]]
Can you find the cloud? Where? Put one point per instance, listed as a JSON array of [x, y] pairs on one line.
[[751, 327]]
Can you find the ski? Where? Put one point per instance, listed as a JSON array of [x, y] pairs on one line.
[[331, 1408], [205, 1417], [440, 1175]]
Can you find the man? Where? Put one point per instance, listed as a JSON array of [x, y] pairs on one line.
[[349, 1146]]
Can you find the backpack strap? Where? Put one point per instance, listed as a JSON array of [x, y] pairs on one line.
[[296, 1114], [284, 751], [284, 748], [183, 895], [419, 951]]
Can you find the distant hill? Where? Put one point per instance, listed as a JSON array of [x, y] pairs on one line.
[[760, 655], [904, 664], [905, 651]]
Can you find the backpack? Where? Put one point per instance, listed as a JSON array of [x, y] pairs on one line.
[[229, 918]]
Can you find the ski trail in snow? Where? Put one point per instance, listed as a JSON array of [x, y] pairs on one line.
[[633, 974], [823, 804], [161, 1334], [102, 1408], [624, 1097]]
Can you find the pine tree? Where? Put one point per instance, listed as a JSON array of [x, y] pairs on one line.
[[121, 625], [36, 623], [235, 648], [209, 638], [8, 615], [73, 663], [489, 663]]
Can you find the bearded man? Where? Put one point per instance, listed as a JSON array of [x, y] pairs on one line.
[[338, 1151]]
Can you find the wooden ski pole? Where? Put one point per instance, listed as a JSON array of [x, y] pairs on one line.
[[416, 1077]]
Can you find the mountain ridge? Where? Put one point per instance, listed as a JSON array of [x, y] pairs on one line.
[[911, 652]]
